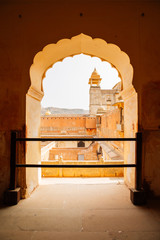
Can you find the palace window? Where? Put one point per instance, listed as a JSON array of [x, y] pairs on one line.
[[81, 144]]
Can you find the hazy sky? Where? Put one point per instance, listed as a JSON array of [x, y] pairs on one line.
[[66, 83]]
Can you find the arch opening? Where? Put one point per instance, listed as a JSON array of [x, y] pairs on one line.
[[57, 52]]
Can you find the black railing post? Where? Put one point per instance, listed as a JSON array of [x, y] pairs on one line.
[[13, 161], [138, 161]]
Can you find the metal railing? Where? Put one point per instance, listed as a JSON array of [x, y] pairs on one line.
[[137, 164]]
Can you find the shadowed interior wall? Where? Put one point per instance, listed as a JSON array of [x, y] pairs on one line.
[[28, 26]]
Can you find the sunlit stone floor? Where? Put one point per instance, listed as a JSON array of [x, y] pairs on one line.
[[97, 209]]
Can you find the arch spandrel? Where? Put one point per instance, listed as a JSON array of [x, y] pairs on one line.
[[76, 45]]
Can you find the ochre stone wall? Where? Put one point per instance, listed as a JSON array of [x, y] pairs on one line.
[[68, 155], [89, 153], [108, 127], [68, 125], [81, 172]]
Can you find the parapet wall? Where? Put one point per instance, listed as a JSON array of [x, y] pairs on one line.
[[68, 125]]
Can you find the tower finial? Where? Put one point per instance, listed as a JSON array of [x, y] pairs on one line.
[[95, 78]]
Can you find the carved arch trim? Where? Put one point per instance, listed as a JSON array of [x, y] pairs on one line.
[[81, 43]]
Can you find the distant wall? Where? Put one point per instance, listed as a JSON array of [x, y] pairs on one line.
[[68, 125], [82, 172], [111, 127], [89, 153], [70, 156]]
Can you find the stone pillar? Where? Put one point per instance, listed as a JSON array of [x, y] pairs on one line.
[[129, 96], [33, 149]]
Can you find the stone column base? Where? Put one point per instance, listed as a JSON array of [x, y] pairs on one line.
[[12, 197], [138, 197]]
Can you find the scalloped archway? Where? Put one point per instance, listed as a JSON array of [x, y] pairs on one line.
[[57, 52], [77, 45]]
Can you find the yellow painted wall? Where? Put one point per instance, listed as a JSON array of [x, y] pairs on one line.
[[81, 172]]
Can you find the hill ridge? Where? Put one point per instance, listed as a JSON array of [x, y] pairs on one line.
[[56, 110]]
